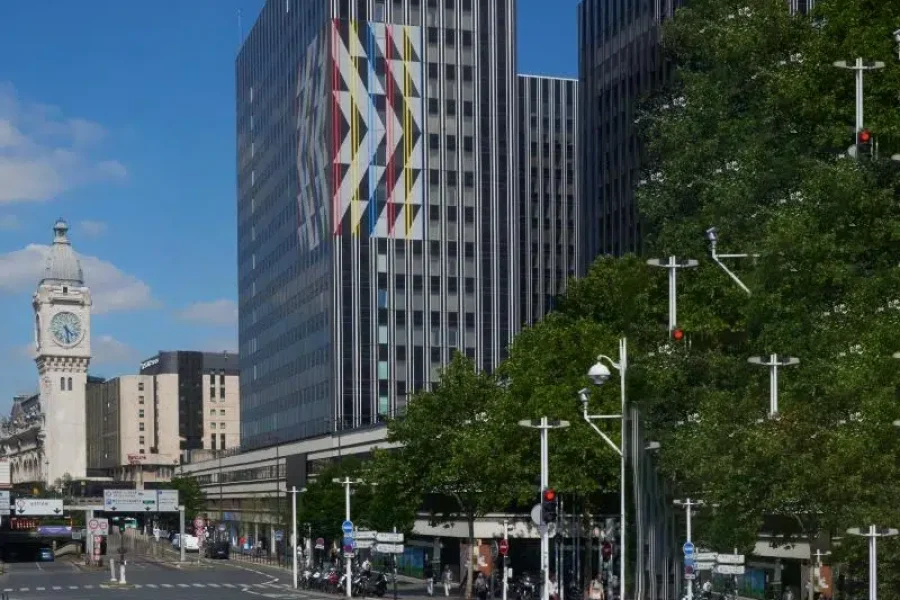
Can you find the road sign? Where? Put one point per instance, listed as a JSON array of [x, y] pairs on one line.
[[347, 528], [279, 536], [366, 535], [536, 512], [98, 526], [348, 541], [389, 548], [132, 501], [730, 569], [167, 500], [730, 559], [348, 551], [504, 547], [688, 569], [365, 544], [688, 548], [705, 566], [389, 537], [690, 576], [320, 543], [705, 556], [36, 506], [689, 561]]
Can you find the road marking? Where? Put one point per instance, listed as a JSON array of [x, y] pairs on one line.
[[38, 565], [166, 585], [152, 585], [40, 589], [57, 587], [138, 586], [183, 585], [88, 587], [23, 589], [200, 585], [213, 585], [73, 587]]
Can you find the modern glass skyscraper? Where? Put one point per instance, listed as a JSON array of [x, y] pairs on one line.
[[548, 183], [377, 205]]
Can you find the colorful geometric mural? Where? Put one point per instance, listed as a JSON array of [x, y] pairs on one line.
[[313, 158], [377, 179]]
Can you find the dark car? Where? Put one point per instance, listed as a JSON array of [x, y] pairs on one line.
[[45, 554], [217, 550]]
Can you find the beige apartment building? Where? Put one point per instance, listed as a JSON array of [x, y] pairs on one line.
[[141, 426]]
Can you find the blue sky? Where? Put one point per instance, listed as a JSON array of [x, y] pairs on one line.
[[119, 117]]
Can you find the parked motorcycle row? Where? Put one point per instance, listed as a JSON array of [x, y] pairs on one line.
[[332, 580]]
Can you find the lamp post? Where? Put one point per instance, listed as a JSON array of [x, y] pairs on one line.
[[689, 505], [599, 374], [347, 482], [672, 266], [544, 425], [860, 66], [294, 532], [774, 362], [712, 235], [873, 533]]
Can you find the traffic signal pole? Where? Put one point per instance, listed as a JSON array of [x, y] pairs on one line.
[[859, 68], [672, 266]]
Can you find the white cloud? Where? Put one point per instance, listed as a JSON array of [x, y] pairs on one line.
[[43, 153], [9, 222], [217, 312], [92, 228], [106, 350], [112, 289]]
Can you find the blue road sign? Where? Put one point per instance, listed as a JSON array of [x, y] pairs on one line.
[[348, 541], [689, 560], [347, 528], [688, 548]]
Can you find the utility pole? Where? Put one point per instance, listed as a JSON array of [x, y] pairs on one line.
[[347, 482], [689, 505]]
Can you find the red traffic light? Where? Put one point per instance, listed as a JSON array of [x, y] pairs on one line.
[[549, 495], [677, 334], [865, 136]]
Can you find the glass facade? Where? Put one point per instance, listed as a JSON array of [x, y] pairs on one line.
[[377, 205], [548, 182]]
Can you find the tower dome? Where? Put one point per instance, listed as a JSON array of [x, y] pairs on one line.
[[62, 265]]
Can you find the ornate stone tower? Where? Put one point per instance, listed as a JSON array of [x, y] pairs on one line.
[[62, 327]]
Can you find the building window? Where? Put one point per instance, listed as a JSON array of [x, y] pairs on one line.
[[70, 384], [221, 379], [141, 440], [212, 425], [141, 426], [212, 412], [221, 425], [140, 399], [222, 392], [221, 412], [62, 383], [141, 414], [382, 369], [222, 440], [212, 393], [141, 386], [212, 442]]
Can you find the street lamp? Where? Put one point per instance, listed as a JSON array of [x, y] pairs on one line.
[[712, 236], [545, 425], [873, 533], [774, 361], [672, 266], [600, 374]]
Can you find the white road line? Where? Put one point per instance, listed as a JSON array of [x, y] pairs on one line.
[[152, 585], [57, 587], [7, 589], [38, 565], [213, 585], [138, 586], [200, 585], [88, 587], [73, 587], [23, 589], [166, 585], [183, 585], [40, 589], [228, 585]]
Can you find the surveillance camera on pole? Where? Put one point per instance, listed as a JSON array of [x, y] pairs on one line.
[[712, 236]]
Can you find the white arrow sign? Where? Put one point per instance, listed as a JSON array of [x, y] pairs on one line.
[[35, 506], [389, 548], [391, 538], [730, 569], [366, 535], [704, 566], [167, 500], [364, 544], [730, 559], [706, 557], [135, 501]]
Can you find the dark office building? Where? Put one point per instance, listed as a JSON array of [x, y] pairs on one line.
[[548, 184], [377, 205]]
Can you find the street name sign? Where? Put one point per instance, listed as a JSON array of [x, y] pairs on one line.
[[705, 566], [365, 544], [366, 535], [690, 576], [730, 559], [389, 548], [167, 500], [389, 537], [706, 556], [38, 506], [132, 501], [730, 569]]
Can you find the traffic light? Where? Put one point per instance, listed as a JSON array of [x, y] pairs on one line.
[[677, 334], [548, 505], [864, 143]]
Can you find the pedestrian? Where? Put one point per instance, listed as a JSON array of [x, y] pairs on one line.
[[428, 572], [595, 589], [554, 587], [481, 586], [447, 579]]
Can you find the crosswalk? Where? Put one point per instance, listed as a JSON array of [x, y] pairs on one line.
[[147, 586]]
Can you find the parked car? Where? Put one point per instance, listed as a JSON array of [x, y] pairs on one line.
[[191, 543], [45, 554]]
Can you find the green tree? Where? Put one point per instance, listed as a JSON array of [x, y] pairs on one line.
[[454, 450], [190, 495]]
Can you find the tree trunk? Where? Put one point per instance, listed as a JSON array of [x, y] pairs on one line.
[[470, 571]]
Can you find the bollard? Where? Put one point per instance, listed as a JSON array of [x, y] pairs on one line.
[[112, 570], [122, 574]]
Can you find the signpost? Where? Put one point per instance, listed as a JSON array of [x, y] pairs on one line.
[[38, 507], [131, 501], [706, 557], [4, 502], [504, 547], [688, 548], [730, 569], [730, 559], [320, 543], [389, 548], [366, 535], [389, 538], [347, 528]]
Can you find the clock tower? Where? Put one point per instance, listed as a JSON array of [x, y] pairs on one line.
[[62, 329]]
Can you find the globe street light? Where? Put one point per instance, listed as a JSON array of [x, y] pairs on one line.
[[600, 373]]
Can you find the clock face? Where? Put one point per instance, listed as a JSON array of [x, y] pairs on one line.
[[66, 328]]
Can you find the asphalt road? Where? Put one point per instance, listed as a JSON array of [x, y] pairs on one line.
[[146, 580]]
